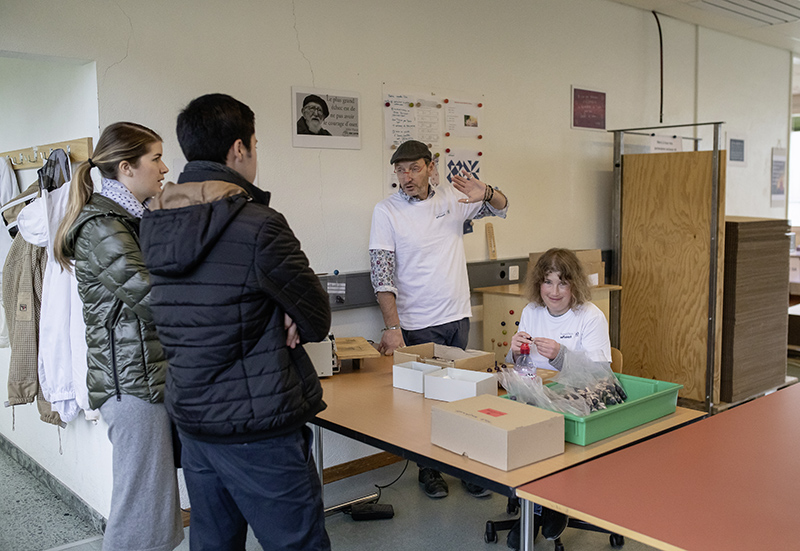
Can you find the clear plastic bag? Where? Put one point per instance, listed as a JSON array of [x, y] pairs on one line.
[[592, 381], [582, 386], [530, 390]]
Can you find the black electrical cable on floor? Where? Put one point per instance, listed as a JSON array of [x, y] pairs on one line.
[[661, 52], [390, 483]]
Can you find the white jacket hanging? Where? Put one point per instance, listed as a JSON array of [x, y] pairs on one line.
[[62, 331]]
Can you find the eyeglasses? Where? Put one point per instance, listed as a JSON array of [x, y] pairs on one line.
[[413, 169], [313, 109]]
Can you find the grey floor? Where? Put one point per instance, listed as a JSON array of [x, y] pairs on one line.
[[33, 519]]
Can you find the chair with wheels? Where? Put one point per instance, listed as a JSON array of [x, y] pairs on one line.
[[512, 507]]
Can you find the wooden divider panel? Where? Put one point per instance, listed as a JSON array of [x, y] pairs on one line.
[[665, 259]]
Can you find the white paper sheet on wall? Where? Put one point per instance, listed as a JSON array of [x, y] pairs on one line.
[[400, 119], [408, 117], [778, 178], [665, 144], [463, 118]]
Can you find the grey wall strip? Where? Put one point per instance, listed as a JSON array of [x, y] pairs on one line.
[[358, 287]]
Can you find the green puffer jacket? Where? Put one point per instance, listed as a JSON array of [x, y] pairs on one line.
[[124, 354]]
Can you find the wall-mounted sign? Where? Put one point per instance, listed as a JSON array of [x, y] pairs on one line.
[[778, 179], [737, 150], [588, 109]]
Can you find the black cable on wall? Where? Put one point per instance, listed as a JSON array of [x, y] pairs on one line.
[[661, 53]]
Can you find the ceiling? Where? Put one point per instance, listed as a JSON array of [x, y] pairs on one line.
[[772, 22]]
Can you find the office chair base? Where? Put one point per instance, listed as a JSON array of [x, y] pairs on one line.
[[492, 527]]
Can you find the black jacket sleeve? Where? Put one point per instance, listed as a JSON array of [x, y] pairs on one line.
[[284, 273]]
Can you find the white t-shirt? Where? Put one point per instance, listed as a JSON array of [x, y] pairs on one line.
[[431, 268], [582, 329]]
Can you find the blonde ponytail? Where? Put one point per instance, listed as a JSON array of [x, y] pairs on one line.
[[121, 141]]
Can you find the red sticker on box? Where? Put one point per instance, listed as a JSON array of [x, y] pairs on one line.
[[492, 412]]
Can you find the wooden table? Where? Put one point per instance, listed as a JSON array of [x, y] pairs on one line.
[[363, 405], [727, 482]]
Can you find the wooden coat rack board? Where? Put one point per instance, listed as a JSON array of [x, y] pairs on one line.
[[33, 157]]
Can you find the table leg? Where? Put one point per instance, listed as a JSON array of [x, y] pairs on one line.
[[317, 431], [317, 451], [526, 525]]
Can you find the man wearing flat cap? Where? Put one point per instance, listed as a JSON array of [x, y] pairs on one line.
[[315, 111], [417, 260]]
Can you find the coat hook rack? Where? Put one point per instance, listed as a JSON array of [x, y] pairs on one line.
[[78, 151]]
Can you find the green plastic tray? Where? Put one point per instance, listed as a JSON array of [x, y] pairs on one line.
[[648, 399]]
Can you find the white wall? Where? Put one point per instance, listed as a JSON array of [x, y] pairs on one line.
[[44, 101], [520, 57], [750, 90]]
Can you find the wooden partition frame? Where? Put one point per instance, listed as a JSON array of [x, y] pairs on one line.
[[668, 232]]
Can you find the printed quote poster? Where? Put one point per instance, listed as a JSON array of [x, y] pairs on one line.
[[325, 119]]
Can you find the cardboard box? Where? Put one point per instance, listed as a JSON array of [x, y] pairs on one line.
[[445, 356], [501, 433], [451, 384], [411, 375], [590, 259]]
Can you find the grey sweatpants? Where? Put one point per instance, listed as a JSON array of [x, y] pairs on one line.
[[145, 503]]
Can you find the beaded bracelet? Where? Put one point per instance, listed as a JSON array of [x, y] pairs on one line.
[[487, 196]]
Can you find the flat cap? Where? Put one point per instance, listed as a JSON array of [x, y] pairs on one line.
[[411, 151]]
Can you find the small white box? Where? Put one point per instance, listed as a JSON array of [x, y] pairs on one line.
[[501, 433], [411, 375], [451, 384], [794, 269], [321, 354]]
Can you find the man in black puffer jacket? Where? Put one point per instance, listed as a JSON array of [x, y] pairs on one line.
[[232, 297]]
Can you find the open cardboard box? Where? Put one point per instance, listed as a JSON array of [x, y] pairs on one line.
[[451, 384], [445, 356], [411, 375], [501, 433]]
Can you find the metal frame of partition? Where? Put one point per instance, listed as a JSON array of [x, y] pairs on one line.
[[616, 238]]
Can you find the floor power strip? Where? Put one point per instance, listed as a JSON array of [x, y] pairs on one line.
[[371, 511]]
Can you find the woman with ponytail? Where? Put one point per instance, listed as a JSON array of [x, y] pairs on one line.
[[127, 367]]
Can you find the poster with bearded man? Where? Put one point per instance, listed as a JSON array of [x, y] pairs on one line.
[[325, 119]]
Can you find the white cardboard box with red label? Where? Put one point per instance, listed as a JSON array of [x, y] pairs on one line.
[[498, 432]]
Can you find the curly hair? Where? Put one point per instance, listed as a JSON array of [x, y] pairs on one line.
[[567, 265]]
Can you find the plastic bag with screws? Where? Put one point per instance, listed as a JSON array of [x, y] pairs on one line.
[[592, 381], [530, 390]]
